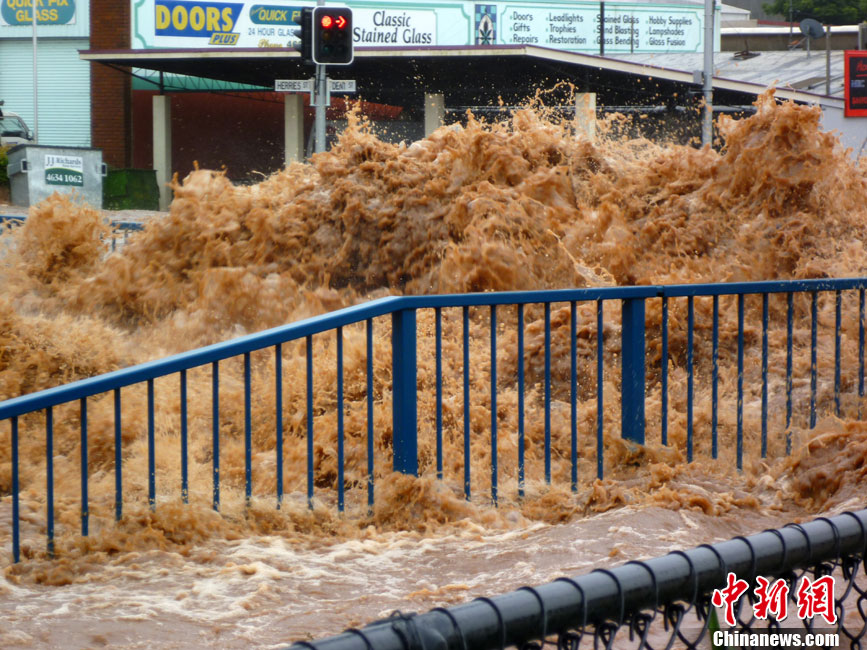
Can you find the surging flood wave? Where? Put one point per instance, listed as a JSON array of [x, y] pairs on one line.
[[519, 204]]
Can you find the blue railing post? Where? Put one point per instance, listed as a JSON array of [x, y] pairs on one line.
[[404, 409], [633, 379]]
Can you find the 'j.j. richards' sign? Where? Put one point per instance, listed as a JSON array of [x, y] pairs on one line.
[[856, 83]]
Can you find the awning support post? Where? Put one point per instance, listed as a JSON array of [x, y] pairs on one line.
[[162, 146]]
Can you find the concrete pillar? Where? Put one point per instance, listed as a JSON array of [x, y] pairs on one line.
[[162, 136], [293, 127], [585, 115], [434, 112]]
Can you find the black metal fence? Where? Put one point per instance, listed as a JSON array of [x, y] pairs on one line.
[[665, 602]]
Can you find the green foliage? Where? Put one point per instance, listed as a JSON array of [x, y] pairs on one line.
[[714, 626], [4, 160], [827, 12]]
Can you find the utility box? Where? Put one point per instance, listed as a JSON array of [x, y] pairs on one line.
[[131, 189], [38, 171]]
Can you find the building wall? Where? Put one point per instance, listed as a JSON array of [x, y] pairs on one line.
[[852, 131], [111, 90], [243, 134]]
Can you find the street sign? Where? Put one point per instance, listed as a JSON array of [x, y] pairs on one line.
[[341, 85], [294, 85]]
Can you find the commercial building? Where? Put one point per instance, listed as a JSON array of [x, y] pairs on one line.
[[175, 82]]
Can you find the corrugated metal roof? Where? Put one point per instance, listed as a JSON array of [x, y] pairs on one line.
[[776, 30], [790, 69]]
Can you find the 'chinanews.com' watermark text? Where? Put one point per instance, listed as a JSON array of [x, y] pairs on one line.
[[774, 639], [812, 599]]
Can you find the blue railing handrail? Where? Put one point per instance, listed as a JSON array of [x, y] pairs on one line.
[[382, 307], [625, 292], [117, 225], [194, 358], [763, 286]]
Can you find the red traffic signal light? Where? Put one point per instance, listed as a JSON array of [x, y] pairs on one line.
[[332, 36]]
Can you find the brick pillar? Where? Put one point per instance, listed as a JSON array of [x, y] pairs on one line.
[[110, 89]]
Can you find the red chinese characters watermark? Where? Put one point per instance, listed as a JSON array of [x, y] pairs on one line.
[[729, 596], [772, 599], [814, 598]]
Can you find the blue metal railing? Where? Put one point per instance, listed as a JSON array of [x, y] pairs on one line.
[[11, 221], [404, 368], [119, 229]]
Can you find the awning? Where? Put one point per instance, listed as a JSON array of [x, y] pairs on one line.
[[466, 75]]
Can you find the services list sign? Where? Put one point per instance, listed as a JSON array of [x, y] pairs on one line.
[[570, 26], [628, 28], [856, 84]]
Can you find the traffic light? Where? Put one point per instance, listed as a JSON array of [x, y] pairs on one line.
[[332, 35], [305, 35]]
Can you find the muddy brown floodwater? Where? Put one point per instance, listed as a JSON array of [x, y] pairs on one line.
[[520, 204]]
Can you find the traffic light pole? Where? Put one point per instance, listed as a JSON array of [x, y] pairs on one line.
[[326, 35], [707, 113], [319, 91]]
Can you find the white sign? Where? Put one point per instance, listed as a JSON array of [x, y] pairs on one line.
[[294, 85], [400, 26], [633, 28], [556, 24], [341, 85], [64, 170]]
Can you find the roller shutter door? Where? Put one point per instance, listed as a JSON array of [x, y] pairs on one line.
[[64, 88]]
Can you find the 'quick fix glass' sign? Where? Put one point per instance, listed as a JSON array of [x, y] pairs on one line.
[[212, 20], [64, 170], [856, 84], [275, 15], [48, 12]]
